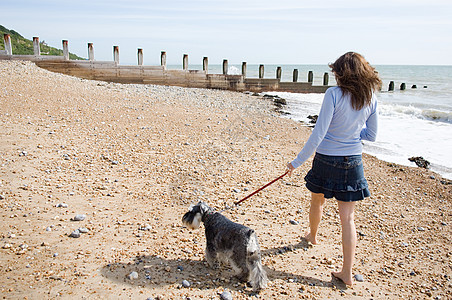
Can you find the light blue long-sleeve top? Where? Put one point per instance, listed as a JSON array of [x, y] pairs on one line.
[[340, 128]]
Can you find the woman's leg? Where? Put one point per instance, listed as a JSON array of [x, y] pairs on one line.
[[315, 215], [346, 213]]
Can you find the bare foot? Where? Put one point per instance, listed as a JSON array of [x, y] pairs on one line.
[[312, 240], [346, 279]]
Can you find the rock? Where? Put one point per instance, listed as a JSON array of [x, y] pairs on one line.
[[79, 218], [313, 118], [420, 162], [133, 275], [7, 246], [225, 296], [359, 277], [146, 227], [186, 283], [83, 230], [421, 228], [75, 234], [443, 223], [55, 254], [293, 222], [49, 229], [63, 205]]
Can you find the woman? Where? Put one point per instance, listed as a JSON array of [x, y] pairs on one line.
[[348, 115]]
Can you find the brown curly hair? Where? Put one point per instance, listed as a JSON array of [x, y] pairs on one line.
[[355, 76]]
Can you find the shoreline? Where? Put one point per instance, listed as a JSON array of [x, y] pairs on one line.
[[392, 145], [132, 158]]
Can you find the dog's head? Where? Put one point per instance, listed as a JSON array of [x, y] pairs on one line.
[[192, 219]]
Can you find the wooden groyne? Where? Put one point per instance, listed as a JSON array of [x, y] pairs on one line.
[[112, 71]]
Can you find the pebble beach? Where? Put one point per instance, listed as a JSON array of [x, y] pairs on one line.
[[95, 178]]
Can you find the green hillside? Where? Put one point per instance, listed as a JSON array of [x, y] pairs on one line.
[[23, 46]]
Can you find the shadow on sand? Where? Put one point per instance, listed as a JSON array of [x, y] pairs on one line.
[[155, 271]]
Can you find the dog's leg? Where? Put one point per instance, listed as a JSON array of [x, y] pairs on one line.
[[211, 257], [238, 262]]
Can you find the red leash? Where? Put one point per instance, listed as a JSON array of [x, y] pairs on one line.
[[260, 189]]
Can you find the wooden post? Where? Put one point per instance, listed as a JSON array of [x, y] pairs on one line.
[[402, 86], [8, 47], [65, 50], [261, 71], [391, 86], [185, 62], [205, 64], [225, 67], [90, 51], [116, 54], [325, 78], [140, 56], [244, 69], [163, 60], [278, 73], [310, 76], [36, 48], [295, 75]]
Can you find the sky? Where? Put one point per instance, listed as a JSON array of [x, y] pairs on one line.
[[386, 32]]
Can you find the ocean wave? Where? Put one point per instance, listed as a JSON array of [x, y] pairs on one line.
[[416, 112]]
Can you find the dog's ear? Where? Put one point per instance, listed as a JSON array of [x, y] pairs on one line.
[[203, 207]]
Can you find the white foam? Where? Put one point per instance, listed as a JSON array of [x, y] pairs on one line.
[[404, 131]]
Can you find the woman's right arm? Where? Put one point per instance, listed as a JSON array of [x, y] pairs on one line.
[[320, 130]]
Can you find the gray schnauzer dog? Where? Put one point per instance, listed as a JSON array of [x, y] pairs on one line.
[[229, 242]]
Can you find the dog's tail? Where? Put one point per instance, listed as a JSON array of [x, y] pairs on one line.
[[258, 276]]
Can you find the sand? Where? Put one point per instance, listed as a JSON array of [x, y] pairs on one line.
[[132, 158]]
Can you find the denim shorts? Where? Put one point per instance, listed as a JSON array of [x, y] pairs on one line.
[[341, 177]]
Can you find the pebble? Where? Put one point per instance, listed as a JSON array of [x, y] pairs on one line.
[[63, 205], [49, 229], [186, 283], [421, 228], [443, 223], [55, 254], [83, 230], [7, 246], [359, 277], [75, 234], [226, 296], [133, 275], [79, 218], [146, 227], [293, 222]]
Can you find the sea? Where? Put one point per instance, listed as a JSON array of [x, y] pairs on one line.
[[413, 122]]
